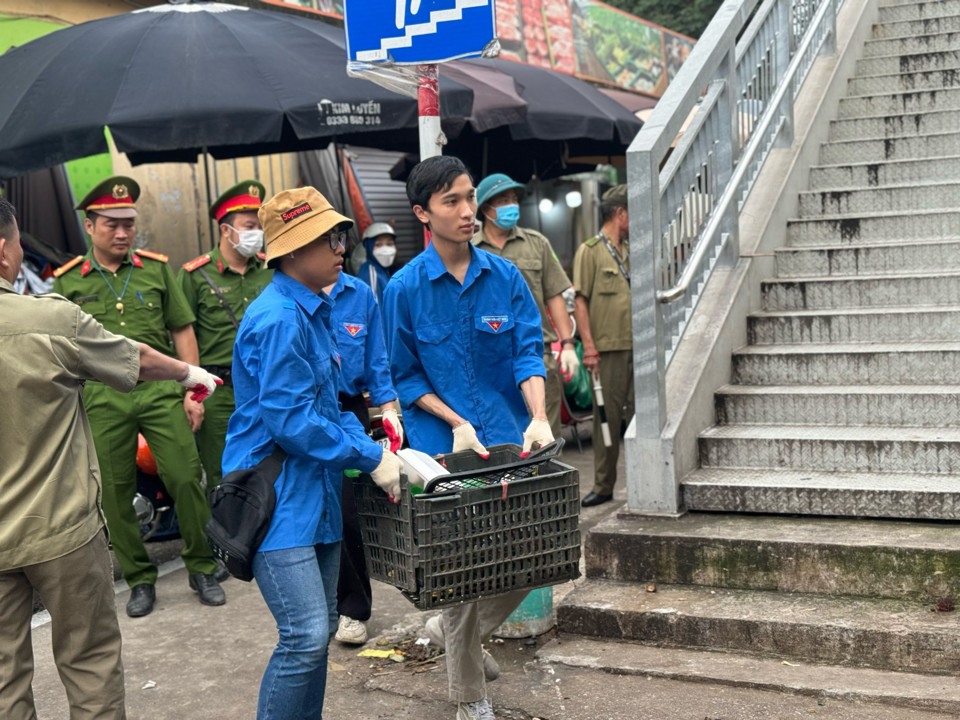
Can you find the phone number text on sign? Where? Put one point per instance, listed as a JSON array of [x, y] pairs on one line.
[[339, 113]]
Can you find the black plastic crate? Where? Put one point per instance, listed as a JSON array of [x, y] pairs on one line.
[[462, 545]]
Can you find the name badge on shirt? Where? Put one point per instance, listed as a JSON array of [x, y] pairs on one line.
[[494, 321]]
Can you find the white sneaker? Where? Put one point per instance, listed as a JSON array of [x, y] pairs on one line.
[[433, 629], [479, 710], [350, 631]]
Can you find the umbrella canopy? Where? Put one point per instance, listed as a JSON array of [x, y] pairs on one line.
[[172, 80]]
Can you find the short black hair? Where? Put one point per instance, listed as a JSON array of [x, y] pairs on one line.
[[435, 174], [608, 211], [8, 218]]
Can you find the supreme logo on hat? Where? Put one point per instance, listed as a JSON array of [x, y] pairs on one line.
[[294, 213]]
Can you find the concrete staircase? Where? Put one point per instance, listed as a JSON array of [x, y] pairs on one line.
[[845, 405]]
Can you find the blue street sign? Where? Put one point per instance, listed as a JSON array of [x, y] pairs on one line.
[[410, 32]]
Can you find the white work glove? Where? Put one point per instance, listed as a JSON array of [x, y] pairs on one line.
[[465, 438], [201, 382], [387, 476], [393, 428], [569, 362], [538, 431]]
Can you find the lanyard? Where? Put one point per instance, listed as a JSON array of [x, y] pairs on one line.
[[615, 256], [119, 295]]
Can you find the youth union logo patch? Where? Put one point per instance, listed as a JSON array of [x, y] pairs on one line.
[[494, 321]]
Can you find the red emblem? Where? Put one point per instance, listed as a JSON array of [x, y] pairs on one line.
[[352, 329], [85, 268], [495, 324], [137, 262]]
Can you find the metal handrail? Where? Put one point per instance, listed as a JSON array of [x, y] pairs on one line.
[[679, 289]]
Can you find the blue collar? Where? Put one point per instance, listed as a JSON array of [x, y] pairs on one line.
[[479, 261], [300, 293]]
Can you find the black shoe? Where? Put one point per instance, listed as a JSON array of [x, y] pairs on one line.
[[207, 587], [222, 573], [595, 499], [142, 598]]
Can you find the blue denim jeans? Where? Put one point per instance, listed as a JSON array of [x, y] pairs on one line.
[[299, 586]]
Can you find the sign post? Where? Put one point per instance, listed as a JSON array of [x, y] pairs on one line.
[[421, 33]]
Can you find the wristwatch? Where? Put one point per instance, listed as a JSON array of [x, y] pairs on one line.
[[568, 341]]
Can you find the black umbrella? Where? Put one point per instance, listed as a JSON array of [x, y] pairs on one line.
[[172, 80]]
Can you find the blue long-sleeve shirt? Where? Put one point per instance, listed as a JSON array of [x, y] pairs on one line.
[[358, 326], [471, 344], [285, 373]]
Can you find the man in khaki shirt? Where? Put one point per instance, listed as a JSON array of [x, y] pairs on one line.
[[52, 537], [601, 270], [498, 208]]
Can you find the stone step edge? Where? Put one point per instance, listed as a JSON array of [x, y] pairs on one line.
[[830, 682], [911, 54], [909, 72], [753, 390], [894, 187], [926, 136], [847, 348], [793, 280], [853, 312], [903, 114], [928, 242], [891, 163], [785, 479], [892, 214], [832, 433]]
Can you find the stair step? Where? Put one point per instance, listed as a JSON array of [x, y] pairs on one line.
[[891, 173], [811, 492], [895, 126], [929, 289], [879, 149], [908, 62], [868, 405], [892, 259], [915, 324], [901, 82], [912, 44], [875, 228], [832, 448], [912, 28], [824, 682], [858, 201], [836, 556], [854, 106], [848, 364], [853, 632], [918, 11]]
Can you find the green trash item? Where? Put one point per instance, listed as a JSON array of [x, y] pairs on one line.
[[534, 616], [579, 390]]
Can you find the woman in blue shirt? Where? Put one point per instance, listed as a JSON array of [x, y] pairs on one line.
[[285, 372], [380, 242]]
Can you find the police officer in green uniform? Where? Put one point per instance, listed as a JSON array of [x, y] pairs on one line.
[[498, 208], [133, 293], [219, 286], [601, 276]]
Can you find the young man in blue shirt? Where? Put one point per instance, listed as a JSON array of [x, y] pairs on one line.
[[364, 367], [466, 352]]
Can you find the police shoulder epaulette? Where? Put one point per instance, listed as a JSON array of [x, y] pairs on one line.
[[592, 241], [159, 257], [197, 262], [67, 266]]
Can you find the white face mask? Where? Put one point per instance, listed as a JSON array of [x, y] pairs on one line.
[[385, 255], [249, 242]]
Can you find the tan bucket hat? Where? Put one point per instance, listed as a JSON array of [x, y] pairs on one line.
[[294, 218]]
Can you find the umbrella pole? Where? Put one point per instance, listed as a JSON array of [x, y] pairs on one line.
[[428, 105], [206, 184]]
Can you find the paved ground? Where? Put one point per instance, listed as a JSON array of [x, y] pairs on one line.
[[188, 661]]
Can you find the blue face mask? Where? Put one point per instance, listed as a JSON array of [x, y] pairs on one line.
[[507, 217]]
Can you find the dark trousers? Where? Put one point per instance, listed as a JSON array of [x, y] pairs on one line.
[[354, 597]]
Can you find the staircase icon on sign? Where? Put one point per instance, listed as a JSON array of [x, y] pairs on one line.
[[411, 31]]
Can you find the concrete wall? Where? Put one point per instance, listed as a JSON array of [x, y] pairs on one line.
[[703, 361], [174, 200]]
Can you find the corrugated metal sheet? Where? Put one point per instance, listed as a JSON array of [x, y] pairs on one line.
[[387, 198]]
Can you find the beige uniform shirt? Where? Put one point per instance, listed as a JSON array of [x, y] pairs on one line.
[[49, 477], [598, 279], [533, 255]]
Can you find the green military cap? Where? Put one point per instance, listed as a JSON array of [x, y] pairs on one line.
[[115, 197], [245, 196], [617, 195]]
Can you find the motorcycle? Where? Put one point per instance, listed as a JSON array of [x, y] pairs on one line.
[[152, 503]]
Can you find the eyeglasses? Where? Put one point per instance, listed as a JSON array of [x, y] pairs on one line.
[[336, 238]]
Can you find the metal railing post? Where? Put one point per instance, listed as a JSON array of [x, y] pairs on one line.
[[784, 50], [829, 46], [727, 153]]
